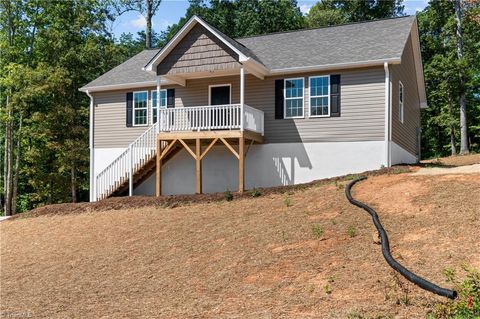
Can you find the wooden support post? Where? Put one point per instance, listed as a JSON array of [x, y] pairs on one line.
[[241, 164], [198, 160], [158, 181]]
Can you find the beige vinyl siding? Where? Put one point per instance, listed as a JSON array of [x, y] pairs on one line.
[[405, 134], [362, 109], [199, 51]]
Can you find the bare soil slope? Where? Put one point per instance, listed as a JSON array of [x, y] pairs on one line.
[[249, 258]]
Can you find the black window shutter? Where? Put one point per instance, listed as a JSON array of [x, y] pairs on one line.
[[129, 109], [170, 98], [279, 99], [335, 95]]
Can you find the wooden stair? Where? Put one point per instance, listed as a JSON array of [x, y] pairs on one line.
[[144, 172]]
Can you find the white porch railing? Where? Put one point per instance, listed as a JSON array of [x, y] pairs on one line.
[[208, 118], [143, 149]]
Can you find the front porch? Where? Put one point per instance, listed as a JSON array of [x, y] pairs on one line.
[[198, 144]]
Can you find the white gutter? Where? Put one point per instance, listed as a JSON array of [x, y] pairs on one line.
[[124, 86], [92, 151], [387, 116], [347, 65]]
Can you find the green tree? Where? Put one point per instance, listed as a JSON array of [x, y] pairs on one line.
[[332, 12], [449, 77]]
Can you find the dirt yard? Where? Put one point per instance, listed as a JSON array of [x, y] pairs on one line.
[[296, 253]]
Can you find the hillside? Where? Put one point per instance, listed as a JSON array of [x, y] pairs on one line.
[[300, 252]]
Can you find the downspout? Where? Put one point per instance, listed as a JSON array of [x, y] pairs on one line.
[[387, 116], [92, 151]]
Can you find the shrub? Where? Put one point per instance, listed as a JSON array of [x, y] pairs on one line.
[[256, 192], [351, 231], [467, 305], [327, 289], [287, 201], [228, 195], [317, 231]]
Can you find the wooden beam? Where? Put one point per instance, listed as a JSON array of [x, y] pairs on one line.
[[198, 160], [208, 148], [248, 147], [167, 149], [158, 179], [249, 135], [229, 146], [188, 148], [241, 164]]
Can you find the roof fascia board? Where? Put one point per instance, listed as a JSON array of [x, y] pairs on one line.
[[180, 35], [417, 56], [124, 86], [335, 66]]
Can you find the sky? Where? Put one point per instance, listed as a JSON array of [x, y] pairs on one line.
[[171, 11]]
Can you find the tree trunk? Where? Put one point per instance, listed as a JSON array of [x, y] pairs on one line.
[[148, 17], [453, 146], [73, 183], [8, 163], [17, 169], [464, 149]]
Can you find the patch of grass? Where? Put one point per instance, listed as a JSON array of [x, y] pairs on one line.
[[467, 305], [287, 201], [256, 192], [334, 222], [228, 196], [351, 231], [399, 170], [339, 186], [317, 231]]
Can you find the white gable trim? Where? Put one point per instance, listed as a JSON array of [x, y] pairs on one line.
[[417, 56], [151, 66]]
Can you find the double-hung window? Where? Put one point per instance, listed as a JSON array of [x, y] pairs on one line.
[[401, 97], [319, 96], [293, 98], [140, 108], [163, 103]]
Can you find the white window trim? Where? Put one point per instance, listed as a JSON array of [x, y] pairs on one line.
[[219, 85], [310, 96], [155, 106], [133, 108], [285, 99], [401, 103]]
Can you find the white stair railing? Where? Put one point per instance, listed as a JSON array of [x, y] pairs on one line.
[[138, 153]]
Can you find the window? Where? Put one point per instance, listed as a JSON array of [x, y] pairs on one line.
[[293, 98], [319, 96], [163, 103], [401, 97], [140, 108]]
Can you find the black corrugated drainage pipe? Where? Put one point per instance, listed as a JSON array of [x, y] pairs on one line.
[[422, 283]]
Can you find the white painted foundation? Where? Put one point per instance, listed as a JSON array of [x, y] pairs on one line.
[[267, 165], [401, 156], [105, 156]]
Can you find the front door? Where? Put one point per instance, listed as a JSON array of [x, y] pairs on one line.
[[220, 95]]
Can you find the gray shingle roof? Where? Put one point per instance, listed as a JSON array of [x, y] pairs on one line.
[[129, 71], [349, 43]]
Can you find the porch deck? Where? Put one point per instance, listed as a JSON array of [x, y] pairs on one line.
[[197, 129]]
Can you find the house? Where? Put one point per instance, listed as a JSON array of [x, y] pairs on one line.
[[208, 113]]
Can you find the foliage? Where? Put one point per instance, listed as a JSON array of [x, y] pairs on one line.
[[333, 12], [49, 49], [287, 201], [317, 231], [440, 121], [228, 196], [351, 231], [256, 192], [238, 18], [467, 305]]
